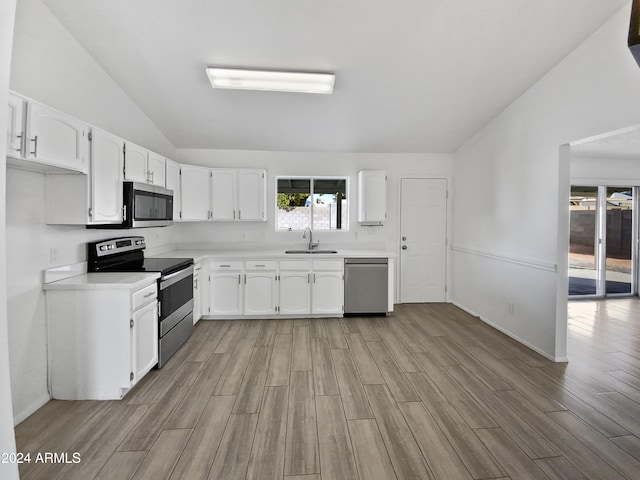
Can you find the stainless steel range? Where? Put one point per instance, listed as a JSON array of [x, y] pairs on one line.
[[175, 286]]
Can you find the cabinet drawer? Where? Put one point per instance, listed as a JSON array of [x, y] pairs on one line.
[[294, 265], [143, 296], [328, 265], [221, 266], [258, 265]]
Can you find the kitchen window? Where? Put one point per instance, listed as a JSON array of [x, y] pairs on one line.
[[319, 203]]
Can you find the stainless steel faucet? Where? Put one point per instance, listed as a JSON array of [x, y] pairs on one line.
[[311, 244]]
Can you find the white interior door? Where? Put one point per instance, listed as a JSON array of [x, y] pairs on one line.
[[423, 233]]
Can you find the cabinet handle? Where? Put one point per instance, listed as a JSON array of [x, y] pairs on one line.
[[308, 278], [225, 266], [234, 214], [131, 323], [239, 279], [149, 294], [21, 137], [35, 146], [195, 284], [239, 214], [124, 213]]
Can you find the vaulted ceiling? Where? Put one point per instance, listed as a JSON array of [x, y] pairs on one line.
[[411, 75]]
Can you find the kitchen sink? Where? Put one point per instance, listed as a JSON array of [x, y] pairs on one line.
[[311, 251]]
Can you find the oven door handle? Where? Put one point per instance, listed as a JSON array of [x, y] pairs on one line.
[[175, 277]]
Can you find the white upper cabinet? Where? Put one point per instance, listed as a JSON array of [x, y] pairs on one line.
[[372, 197], [135, 158], [238, 194], [47, 139], [143, 166], [223, 194], [172, 181], [16, 134], [93, 199], [251, 195], [156, 169], [194, 192], [107, 160]]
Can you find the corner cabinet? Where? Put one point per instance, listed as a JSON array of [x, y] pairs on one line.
[[194, 193], [102, 341], [372, 197], [94, 199]]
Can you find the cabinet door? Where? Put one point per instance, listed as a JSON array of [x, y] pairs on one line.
[[372, 196], [156, 169], [295, 293], [225, 293], [251, 195], [194, 191], [144, 341], [197, 305], [260, 293], [327, 293], [16, 126], [135, 160], [57, 139], [172, 179], [106, 177], [223, 194]]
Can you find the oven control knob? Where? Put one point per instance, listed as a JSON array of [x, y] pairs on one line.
[[102, 248]]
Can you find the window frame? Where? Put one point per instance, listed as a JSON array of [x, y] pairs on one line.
[[312, 178]]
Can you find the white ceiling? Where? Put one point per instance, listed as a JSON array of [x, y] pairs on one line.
[[411, 75]]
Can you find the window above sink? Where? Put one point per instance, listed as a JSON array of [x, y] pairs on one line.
[[319, 203]]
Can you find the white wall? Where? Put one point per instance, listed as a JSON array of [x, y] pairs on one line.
[[510, 185], [8, 471], [311, 163], [604, 171], [48, 65]]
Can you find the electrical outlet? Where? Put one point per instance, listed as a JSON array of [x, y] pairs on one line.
[[510, 308]]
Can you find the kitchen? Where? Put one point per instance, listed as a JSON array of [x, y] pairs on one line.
[[61, 245]]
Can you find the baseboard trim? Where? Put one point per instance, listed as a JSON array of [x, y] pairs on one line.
[[546, 355], [30, 409]]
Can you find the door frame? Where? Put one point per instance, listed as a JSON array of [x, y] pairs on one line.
[[601, 238], [448, 216]]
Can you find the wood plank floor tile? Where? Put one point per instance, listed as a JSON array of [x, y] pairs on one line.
[[440, 455], [231, 378], [336, 455], [250, 394], [301, 453], [280, 363], [232, 459], [372, 459], [471, 451], [559, 468], [399, 352], [163, 456], [405, 454], [197, 458], [267, 334], [121, 466], [369, 372], [324, 375], [630, 444], [188, 412], [301, 359], [352, 393], [516, 463], [267, 455], [395, 379]]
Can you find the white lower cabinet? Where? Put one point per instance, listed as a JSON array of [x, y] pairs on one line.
[[266, 288], [260, 288], [327, 288], [295, 287], [197, 292], [102, 341], [225, 288]]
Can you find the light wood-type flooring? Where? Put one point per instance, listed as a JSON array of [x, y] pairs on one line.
[[428, 392]]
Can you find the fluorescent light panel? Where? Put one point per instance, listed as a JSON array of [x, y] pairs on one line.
[[276, 81]]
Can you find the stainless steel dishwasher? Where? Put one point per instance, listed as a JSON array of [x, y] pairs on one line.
[[366, 285]]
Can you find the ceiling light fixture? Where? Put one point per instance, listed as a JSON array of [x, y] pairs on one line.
[[270, 80]]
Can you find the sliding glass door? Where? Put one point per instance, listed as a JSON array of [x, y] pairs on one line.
[[602, 241]]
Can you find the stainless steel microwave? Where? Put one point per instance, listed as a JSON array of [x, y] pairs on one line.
[[146, 205]]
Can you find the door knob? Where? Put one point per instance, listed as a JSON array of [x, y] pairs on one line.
[[404, 239], [404, 247]]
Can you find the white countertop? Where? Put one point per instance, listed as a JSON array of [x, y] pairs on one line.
[[105, 280], [200, 254]]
